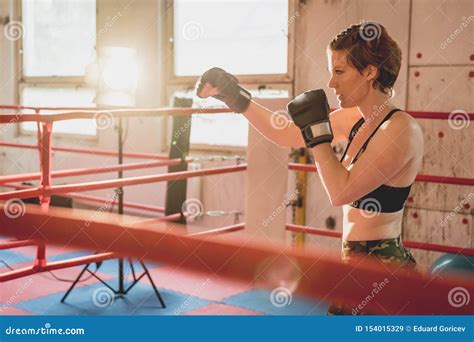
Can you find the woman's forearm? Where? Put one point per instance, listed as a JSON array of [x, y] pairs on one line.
[[281, 130]]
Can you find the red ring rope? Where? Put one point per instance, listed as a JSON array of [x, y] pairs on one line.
[[324, 277], [411, 244]]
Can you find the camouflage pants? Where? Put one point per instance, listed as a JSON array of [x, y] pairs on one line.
[[388, 251]]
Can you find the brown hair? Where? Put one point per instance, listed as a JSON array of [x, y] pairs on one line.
[[369, 43]]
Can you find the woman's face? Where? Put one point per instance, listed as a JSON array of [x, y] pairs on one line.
[[350, 85]]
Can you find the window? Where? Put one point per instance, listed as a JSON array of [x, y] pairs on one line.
[[59, 38], [249, 38], [60, 97], [244, 37], [227, 130]]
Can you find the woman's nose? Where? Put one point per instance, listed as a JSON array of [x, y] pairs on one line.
[[331, 83]]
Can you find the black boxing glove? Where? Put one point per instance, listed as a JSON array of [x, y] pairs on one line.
[[310, 112], [230, 92]]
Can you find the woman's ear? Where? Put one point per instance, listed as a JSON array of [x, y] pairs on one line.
[[371, 72]]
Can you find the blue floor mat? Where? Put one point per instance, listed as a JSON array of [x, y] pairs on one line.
[[96, 300], [260, 300]]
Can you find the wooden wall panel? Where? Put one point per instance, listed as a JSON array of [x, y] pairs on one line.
[[442, 32], [442, 197], [441, 88], [319, 21], [435, 227], [266, 184], [447, 151]]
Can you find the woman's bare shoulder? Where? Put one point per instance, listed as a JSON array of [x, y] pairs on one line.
[[405, 130], [402, 120]]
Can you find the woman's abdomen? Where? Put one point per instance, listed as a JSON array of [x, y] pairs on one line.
[[364, 225]]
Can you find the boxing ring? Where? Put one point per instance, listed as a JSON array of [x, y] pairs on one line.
[[159, 239]]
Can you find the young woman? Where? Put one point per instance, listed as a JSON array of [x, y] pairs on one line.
[[385, 144]]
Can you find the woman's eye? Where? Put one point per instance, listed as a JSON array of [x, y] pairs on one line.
[[338, 72]]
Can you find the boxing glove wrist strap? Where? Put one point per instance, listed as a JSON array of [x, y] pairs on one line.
[[317, 133], [237, 102]]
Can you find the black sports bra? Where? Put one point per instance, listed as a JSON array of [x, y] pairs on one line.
[[384, 199]]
